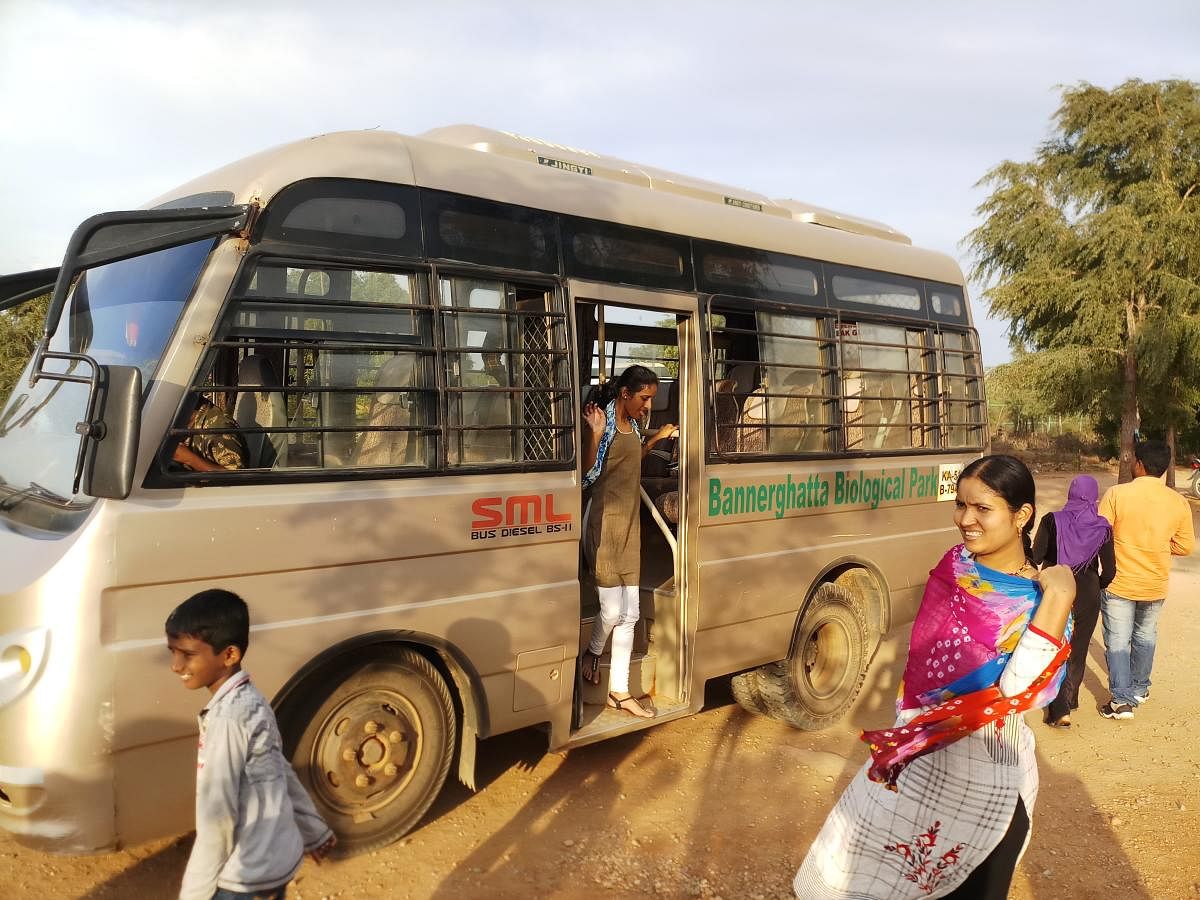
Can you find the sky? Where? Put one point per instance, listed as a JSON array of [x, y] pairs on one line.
[[890, 111]]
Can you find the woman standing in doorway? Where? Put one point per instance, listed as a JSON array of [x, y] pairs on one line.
[[613, 467], [1079, 537], [942, 807]]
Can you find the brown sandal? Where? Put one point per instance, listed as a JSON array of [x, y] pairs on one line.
[[629, 704]]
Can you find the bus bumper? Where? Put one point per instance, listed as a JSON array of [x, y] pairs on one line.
[[54, 813]]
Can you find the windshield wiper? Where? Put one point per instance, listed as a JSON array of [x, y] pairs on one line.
[[34, 490]]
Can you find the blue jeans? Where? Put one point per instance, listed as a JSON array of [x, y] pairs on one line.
[[1130, 632]]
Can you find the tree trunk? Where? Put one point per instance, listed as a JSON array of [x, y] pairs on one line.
[[1128, 414], [1171, 445]]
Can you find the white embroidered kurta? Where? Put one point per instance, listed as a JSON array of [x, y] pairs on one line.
[[950, 811]]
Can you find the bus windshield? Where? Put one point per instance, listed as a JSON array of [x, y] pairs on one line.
[[122, 313]]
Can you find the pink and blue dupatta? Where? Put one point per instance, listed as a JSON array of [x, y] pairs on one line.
[[970, 621]]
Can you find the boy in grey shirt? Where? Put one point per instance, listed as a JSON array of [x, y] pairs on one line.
[[254, 820]]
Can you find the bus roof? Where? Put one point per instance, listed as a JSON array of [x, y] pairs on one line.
[[571, 159], [508, 168]]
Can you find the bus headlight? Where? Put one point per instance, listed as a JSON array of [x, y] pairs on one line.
[[21, 656]]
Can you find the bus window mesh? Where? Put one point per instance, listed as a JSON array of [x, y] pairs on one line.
[[786, 383], [539, 372], [324, 367]]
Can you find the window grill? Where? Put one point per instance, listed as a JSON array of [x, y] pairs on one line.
[[317, 367]]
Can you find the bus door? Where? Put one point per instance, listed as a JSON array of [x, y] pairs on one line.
[[614, 329]]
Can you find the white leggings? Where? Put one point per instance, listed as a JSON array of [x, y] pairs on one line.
[[620, 608]]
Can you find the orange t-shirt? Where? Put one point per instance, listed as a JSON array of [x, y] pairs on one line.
[[1151, 523]]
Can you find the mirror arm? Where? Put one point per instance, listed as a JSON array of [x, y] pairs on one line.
[[88, 428]]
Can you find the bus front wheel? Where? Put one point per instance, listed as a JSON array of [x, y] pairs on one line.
[[374, 750], [816, 684]]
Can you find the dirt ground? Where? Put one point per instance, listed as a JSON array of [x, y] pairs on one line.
[[724, 804]]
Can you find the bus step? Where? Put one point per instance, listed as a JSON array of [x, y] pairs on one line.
[[599, 722], [641, 678]]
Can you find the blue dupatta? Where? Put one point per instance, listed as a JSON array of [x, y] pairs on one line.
[[606, 439]]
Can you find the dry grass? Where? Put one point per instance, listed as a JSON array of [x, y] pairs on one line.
[[1055, 453]]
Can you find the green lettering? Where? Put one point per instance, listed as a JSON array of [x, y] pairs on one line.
[[714, 496]]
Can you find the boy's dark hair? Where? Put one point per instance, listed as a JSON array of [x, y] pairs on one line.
[[1154, 456], [217, 617]]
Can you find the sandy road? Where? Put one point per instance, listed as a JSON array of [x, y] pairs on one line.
[[724, 804]]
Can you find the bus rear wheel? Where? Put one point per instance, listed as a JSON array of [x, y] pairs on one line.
[[814, 687], [374, 751], [744, 687]]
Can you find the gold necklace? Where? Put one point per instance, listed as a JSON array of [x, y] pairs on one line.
[[1025, 566]]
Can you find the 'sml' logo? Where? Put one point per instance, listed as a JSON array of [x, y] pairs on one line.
[[519, 509]]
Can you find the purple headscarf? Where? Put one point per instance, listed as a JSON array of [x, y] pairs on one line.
[[1081, 530]]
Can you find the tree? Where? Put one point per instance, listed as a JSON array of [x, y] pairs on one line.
[[20, 331], [1092, 249]]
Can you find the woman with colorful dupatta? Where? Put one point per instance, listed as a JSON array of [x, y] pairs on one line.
[[613, 451], [1079, 537], [942, 807]]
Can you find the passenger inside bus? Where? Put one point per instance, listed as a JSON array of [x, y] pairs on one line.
[[215, 452]]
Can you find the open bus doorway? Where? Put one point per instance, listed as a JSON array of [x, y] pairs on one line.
[[612, 337]]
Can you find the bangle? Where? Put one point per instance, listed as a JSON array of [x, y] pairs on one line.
[[1057, 642]]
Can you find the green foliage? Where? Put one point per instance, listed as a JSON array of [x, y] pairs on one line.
[[20, 330], [1063, 381], [1091, 250]]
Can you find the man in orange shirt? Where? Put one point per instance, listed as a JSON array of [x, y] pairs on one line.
[[1151, 523]]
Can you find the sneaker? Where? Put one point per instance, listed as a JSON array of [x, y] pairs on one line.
[[1112, 710], [1141, 698]]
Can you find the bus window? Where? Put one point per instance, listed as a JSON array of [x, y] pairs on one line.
[[345, 357], [773, 375], [507, 374], [795, 382], [962, 412], [883, 387], [862, 287]]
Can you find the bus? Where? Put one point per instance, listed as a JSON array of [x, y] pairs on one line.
[[402, 331]]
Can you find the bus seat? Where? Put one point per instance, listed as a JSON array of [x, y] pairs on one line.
[[800, 409], [752, 431], [668, 505], [664, 409], [488, 408], [261, 409], [658, 462], [388, 408], [725, 416], [745, 380]]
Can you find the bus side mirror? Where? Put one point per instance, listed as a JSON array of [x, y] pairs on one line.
[[113, 433]]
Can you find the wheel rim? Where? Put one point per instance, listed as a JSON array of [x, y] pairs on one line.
[[825, 662], [366, 752]]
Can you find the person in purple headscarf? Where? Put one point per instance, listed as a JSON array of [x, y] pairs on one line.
[[1079, 537]]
